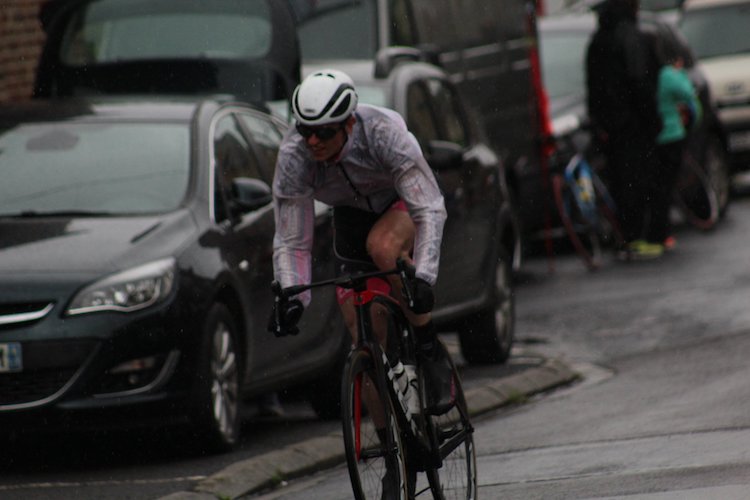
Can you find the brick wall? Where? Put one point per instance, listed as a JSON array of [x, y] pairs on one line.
[[21, 38]]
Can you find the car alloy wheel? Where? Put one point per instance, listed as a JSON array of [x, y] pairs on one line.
[[218, 384], [487, 336]]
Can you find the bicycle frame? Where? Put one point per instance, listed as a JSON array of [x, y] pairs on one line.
[[438, 441], [363, 300]]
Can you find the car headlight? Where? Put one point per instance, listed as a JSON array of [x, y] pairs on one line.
[[127, 291]]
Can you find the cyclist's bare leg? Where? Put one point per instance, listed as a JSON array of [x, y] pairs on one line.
[[392, 237]]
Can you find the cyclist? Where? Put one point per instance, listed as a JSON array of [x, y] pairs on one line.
[[363, 161]]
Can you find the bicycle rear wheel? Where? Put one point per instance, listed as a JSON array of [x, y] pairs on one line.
[[695, 197], [377, 469], [581, 231], [452, 437], [609, 223]]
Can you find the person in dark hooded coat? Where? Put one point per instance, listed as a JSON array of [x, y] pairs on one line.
[[622, 66]]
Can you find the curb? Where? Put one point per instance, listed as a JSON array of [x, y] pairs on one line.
[[264, 471]]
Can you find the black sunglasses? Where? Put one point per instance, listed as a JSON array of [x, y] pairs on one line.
[[322, 133]]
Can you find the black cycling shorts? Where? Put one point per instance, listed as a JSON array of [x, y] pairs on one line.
[[350, 229], [351, 226]]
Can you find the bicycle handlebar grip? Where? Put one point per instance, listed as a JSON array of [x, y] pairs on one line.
[[276, 289], [409, 270]]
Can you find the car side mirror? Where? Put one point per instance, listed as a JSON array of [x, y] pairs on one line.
[[444, 155], [250, 194]]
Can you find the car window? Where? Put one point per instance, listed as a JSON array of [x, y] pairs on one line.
[[448, 112], [562, 56], [124, 168], [343, 29], [717, 31], [419, 117], [266, 137], [112, 30], [233, 157]]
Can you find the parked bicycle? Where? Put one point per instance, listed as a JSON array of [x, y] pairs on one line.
[[396, 425], [586, 209], [588, 213]]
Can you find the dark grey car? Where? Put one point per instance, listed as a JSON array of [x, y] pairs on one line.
[[135, 263]]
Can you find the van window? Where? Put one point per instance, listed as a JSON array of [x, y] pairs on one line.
[[402, 29], [343, 29], [111, 30], [435, 22]]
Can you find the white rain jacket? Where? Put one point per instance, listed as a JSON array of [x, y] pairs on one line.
[[383, 161]]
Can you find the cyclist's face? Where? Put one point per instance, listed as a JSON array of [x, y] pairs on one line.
[[325, 149]]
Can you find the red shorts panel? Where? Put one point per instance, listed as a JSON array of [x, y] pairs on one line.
[[374, 284]]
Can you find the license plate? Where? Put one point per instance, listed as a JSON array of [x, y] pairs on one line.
[[10, 357]]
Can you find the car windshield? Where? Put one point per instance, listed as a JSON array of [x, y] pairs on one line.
[[117, 169], [562, 55], [111, 30], [733, 37], [341, 29]]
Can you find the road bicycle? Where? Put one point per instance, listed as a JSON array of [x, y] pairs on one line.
[[587, 210], [387, 445]]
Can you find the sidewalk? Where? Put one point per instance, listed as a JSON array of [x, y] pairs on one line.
[[261, 472]]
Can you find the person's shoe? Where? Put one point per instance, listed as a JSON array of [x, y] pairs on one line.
[[440, 384], [270, 406], [624, 253], [670, 243], [643, 250]]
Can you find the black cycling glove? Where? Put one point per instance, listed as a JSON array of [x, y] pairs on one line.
[[423, 298], [284, 317]]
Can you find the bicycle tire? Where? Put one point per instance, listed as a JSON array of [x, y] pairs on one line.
[[581, 232], [366, 456], [695, 197], [454, 475]]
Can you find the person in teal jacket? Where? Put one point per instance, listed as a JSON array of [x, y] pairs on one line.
[[680, 110]]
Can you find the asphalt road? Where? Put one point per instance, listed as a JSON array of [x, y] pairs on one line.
[[663, 411], [622, 326]]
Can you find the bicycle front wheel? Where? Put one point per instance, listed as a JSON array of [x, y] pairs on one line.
[[453, 475], [374, 450], [582, 233]]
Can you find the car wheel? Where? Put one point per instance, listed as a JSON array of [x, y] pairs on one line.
[[216, 412], [487, 336], [717, 168]]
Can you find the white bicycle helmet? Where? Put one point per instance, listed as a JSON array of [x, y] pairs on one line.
[[324, 97]]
